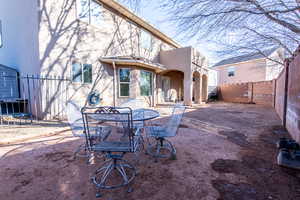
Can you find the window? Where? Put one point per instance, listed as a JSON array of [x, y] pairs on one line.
[[87, 73], [145, 40], [1, 42], [124, 82], [231, 71], [83, 7], [96, 14], [82, 73], [89, 11], [146, 83]]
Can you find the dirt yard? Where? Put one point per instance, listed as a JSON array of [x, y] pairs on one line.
[[224, 151]]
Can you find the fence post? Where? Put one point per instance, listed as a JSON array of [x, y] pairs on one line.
[[250, 87], [286, 87], [29, 98]]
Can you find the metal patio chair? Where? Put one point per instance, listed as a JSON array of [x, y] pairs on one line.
[[123, 138], [163, 148], [77, 126]]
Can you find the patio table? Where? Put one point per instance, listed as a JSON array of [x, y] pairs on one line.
[[142, 114]]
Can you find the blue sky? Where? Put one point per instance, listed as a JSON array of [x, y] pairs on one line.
[[151, 12]]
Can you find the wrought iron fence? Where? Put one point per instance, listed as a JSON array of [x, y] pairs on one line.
[[29, 99]]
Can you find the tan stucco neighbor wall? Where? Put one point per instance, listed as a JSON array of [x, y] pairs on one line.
[[261, 69], [250, 71]]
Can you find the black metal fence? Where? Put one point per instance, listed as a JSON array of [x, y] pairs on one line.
[[28, 99]]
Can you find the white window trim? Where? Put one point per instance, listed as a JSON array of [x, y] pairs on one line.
[[151, 86], [119, 82], [151, 40]]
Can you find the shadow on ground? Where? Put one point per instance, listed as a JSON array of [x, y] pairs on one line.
[[224, 151]]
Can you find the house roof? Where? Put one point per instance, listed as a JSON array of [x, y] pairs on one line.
[[134, 61], [246, 57], [123, 11]]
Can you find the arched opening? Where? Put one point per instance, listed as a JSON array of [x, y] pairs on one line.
[[204, 88], [197, 87], [171, 86]]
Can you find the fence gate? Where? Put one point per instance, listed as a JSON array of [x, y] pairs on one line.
[[24, 99]]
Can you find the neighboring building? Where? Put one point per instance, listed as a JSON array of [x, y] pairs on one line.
[[250, 67], [212, 82], [99, 45]]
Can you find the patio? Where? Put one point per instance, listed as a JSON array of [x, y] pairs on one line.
[[224, 151]]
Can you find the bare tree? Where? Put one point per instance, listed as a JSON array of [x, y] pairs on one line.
[[238, 26], [134, 5]]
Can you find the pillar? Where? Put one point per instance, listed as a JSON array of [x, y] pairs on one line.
[[198, 89], [188, 88]]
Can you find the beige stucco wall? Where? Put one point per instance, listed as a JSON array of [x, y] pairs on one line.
[[181, 59], [176, 89], [64, 39], [251, 71]]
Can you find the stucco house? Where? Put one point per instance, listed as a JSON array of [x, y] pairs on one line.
[[251, 67], [100, 45]]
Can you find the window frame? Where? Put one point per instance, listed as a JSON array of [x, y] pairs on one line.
[[151, 83], [231, 71], [122, 82], [141, 40], [90, 72], [82, 80]]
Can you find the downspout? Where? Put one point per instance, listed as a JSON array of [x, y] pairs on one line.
[[114, 84], [154, 89]]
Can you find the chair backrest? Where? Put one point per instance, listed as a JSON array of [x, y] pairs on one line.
[[75, 118], [118, 119], [172, 126]]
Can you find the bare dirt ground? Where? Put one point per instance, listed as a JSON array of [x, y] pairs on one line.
[[224, 151], [14, 132]]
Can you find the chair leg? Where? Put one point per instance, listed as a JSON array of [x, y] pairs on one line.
[[156, 150], [125, 170], [173, 152]]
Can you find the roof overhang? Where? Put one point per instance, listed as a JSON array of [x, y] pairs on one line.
[[132, 61], [121, 10]]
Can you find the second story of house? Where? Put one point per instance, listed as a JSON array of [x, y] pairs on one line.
[[250, 68], [47, 36], [89, 30]]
